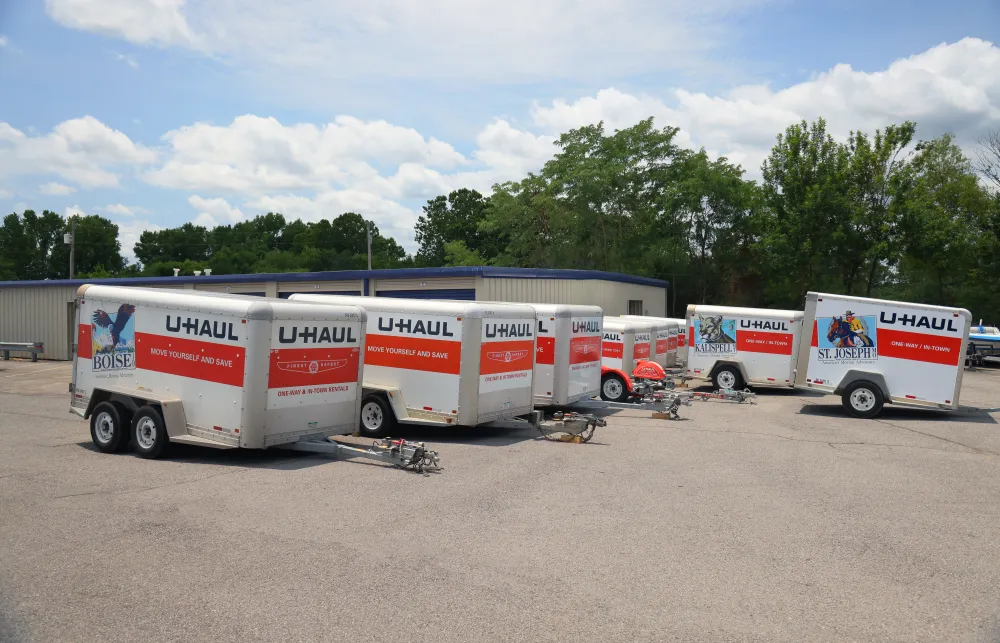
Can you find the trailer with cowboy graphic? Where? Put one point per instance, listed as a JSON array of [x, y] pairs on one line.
[[737, 347], [873, 351]]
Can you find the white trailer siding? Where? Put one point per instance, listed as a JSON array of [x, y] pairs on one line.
[[568, 353], [760, 341], [250, 372], [667, 332], [919, 350], [455, 362], [625, 343]]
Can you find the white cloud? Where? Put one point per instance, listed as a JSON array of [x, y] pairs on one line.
[[154, 22], [128, 59], [213, 212], [83, 150], [5, 194], [74, 211], [123, 210], [3, 40], [952, 87], [56, 189], [256, 155], [480, 39]]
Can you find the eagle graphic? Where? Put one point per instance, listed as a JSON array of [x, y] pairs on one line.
[[117, 325]]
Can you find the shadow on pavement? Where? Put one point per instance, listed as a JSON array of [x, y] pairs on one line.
[[964, 415]]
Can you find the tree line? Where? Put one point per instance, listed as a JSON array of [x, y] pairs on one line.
[[880, 215]]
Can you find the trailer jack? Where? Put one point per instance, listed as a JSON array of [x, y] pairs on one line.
[[573, 427], [400, 453]]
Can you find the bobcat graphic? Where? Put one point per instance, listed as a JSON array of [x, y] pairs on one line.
[[712, 330]]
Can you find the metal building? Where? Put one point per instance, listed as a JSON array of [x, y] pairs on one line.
[[42, 311]]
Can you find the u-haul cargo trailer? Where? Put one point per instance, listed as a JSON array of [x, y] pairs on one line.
[[667, 333], [873, 351], [159, 366], [735, 347], [625, 348], [568, 353], [442, 362], [682, 334]]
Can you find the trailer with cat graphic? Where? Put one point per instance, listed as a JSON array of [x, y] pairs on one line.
[[737, 347], [874, 351], [457, 363]]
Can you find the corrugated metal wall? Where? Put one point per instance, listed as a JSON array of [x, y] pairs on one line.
[[612, 296], [38, 315]]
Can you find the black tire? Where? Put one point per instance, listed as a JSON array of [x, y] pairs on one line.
[[613, 388], [863, 399], [149, 433], [728, 378], [107, 429], [377, 418]]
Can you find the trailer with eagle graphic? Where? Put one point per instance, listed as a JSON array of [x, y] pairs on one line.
[[437, 363], [156, 366], [874, 351]]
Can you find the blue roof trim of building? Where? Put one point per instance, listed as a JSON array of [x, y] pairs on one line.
[[344, 275]]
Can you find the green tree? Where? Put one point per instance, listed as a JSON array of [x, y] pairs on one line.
[[807, 217], [451, 218], [456, 253], [27, 241], [97, 249]]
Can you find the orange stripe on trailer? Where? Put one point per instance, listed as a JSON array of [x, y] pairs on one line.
[[312, 366], [753, 341], [920, 347], [85, 342], [413, 353], [198, 360], [545, 351], [505, 357], [584, 350]]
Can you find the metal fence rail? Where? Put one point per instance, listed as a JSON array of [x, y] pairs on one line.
[[30, 347]]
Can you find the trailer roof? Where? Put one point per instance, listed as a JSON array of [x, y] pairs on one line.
[[492, 272], [634, 325], [752, 312]]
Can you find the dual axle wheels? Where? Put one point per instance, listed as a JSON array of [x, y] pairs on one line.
[[112, 427]]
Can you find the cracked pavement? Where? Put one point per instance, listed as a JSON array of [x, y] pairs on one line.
[[783, 521]]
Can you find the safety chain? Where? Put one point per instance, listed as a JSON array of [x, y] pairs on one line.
[[570, 418]]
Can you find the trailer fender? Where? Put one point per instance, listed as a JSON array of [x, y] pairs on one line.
[[617, 371], [171, 408], [649, 370], [729, 362], [854, 375], [393, 396]]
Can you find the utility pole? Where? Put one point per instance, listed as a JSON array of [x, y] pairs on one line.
[[368, 227], [71, 240]]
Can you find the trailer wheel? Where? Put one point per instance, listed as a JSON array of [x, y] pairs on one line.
[[863, 399], [107, 430], [728, 378], [149, 433], [377, 418], [613, 388]]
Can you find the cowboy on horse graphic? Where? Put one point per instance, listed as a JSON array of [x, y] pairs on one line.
[[848, 331]]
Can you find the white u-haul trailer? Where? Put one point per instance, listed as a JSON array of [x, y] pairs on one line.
[[736, 347], [873, 351], [567, 353], [626, 346], [682, 336], [439, 363], [159, 366], [667, 332]]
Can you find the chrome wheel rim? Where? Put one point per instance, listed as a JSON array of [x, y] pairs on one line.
[[862, 399], [727, 380], [371, 416], [612, 388], [145, 433], [104, 427]]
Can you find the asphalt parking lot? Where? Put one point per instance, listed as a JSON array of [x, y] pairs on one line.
[[784, 521]]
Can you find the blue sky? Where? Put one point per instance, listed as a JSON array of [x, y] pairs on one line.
[[127, 108]]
